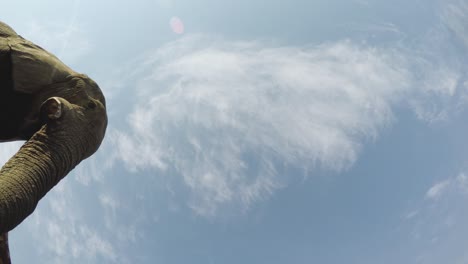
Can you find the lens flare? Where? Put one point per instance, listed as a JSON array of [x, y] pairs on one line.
[[177, 25]]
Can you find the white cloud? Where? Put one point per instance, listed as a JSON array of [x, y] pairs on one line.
[[93, 171], [108, 202], [227, 116], [438, 189], [63, 232], [457, 184], [440, 220], [224, 115], [66, 41], [411, 215], [438, 64], [438, 94], [93, 246], [462, 182], [455, 16]]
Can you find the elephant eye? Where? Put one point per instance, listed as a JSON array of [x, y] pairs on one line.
[[91, 105]]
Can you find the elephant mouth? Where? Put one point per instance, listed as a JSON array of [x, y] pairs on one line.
[[14, 106], [13, 112]]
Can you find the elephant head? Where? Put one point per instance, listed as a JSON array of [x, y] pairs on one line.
[[60, 113]]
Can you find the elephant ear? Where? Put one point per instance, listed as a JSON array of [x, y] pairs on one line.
[[33, 68]]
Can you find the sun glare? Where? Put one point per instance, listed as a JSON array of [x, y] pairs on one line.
[[177, 25]]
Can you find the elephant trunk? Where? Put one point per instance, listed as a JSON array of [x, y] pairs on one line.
[[37, 167], [48, 156]]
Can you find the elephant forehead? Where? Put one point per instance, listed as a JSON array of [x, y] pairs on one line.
[[81, 90], [97, 94], [6, 31], [93, 89], [33, 67]]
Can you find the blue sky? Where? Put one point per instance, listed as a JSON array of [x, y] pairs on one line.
[[267, 132]]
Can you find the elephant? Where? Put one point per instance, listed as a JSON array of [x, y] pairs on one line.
[[61, 114]]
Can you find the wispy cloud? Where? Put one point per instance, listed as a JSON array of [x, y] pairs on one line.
[[67, 41], [224, 115], [67, 237], [457, 184], [440, 220], [455, 16], [439, 94], [437, 189], [230, 117]]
